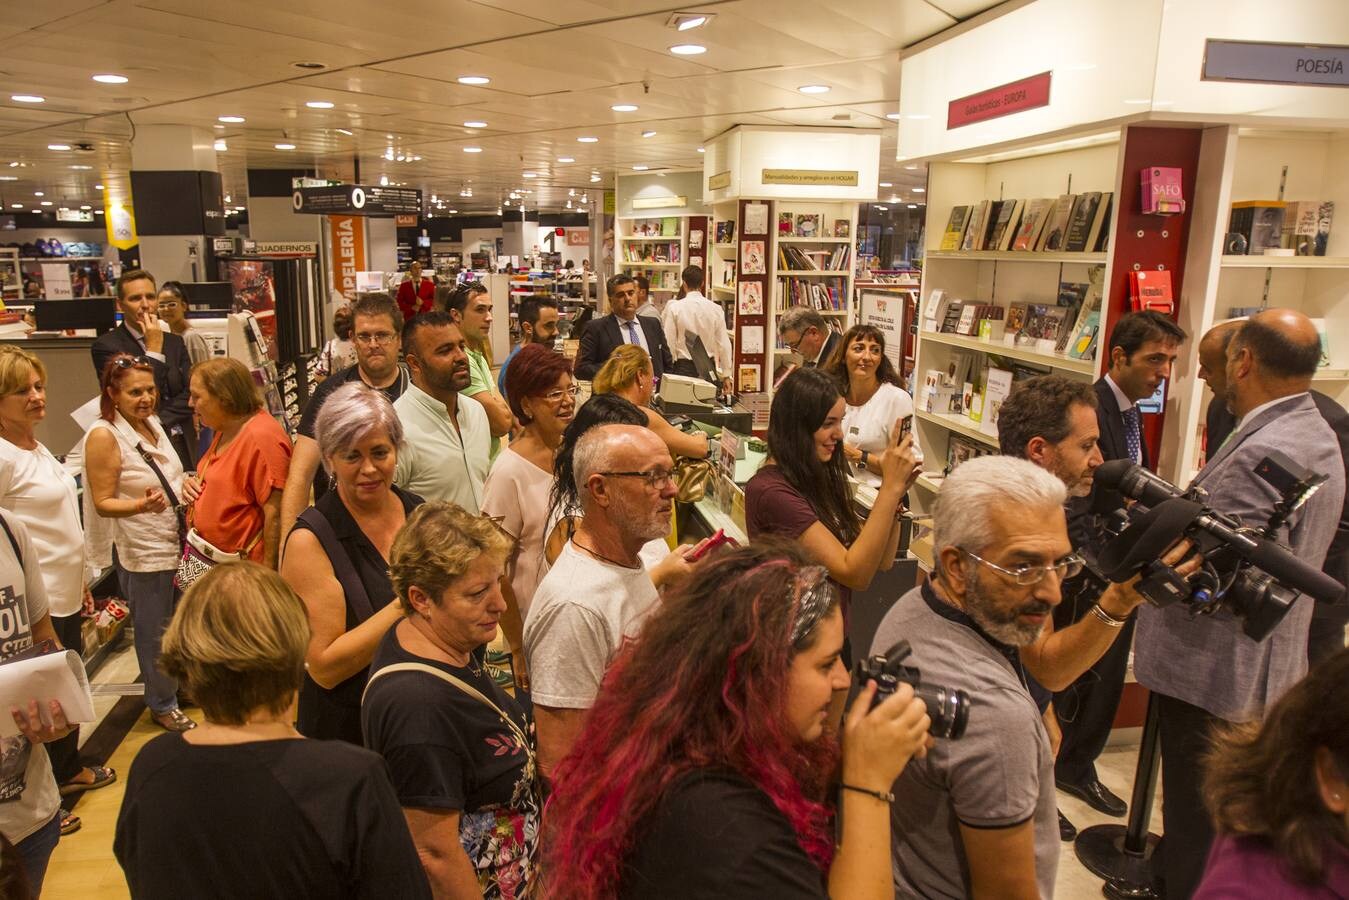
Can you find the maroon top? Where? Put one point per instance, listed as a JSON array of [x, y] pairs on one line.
[[773, 506], [1240, 867]]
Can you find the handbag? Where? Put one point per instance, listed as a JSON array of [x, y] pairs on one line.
[[193, 563], [692, 478]]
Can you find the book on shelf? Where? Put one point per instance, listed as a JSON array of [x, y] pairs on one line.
[[1151, 290], [960, 449], [977, 228], [725, 231], [785, 224], [1084, 343], [1032, 223], [1085, 225], [842, 227], [807, 225], [669, 226], [955, 228], [1098, 244], [1162, 194], [817, 293], [1042, 327], [997, 385], [968, 317], [1072, 297], [1016, 317], [1056, 226], [1260, 224], [950, 315], [992, 324], [1002, 225], [1306, 226]]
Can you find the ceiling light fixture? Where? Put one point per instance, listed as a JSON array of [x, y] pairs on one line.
[[319, 104], [702, 149], [45, 203], [529, 175], [111, 79], [566, 159], [384, 181], [474, 79], [58, 146], [37, 212], [38, 194], [646, 134], [475, 124], [893, 117], [913, 206], [920, 190], [624, 107], [221, 146], [684, 22], [230, 120], [594, 179], [86, 207], [284, 146], [27, 98], [309, 65], [688, 49], [9, 177], [640, 168], [81, 168], [588, 140], [16, 206], [911, 168], [98, 187], [886, 184], [881, 208], [472, 149], [343, 131], [813, 89], [98, 212]]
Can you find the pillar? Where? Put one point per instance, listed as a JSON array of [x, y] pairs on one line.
[[177, 197]]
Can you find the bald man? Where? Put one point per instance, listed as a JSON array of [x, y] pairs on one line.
[[1205, 670]]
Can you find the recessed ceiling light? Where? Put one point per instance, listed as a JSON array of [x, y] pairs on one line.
[[892, 116], [230, 120], [640, 168], [16, 206], [319, 104], [648, 134], [58, 146], [920, 190], [588, 140], [45, 203], [913, 206], [221, 146], [623, 107], [566, 159], [688, 23], [38, 194], [882, 208], [284, 146], [98, 187], [472, 149], [814, 89], [98, 212], [9, 177], [594, 179], [912, 168], [27, 98], [688, 49], [86, 207], [384, 181], [702, 149], [886, 184], [37, 211], [82, 168], [452, 211], [343, 131], [529, 175], [309, 65], [474, 79], [475, 124], [111, 79]]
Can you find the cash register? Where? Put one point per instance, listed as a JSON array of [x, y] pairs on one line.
[[683, 395]]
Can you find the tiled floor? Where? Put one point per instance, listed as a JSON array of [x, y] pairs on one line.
[[83, 867]]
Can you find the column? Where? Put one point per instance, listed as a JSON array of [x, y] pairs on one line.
[[176, 194]]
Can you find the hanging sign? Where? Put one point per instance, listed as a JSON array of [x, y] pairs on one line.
[[74, 215], [119, 219], [813, 177], [1304, 64], [357, 200], [346, 253], [409, 221], [659, 202], [719, 181], [1004, 100]]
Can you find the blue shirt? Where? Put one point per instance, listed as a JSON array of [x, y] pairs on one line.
[[501, 376]]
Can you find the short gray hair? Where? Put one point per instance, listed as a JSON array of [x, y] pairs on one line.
[[970, 493], [351, 413], [595, 451], [799, 318]]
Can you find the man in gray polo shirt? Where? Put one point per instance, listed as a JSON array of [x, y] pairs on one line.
[[977, 816]]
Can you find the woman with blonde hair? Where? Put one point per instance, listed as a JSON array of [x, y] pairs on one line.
[[300, 818], [629, 375]]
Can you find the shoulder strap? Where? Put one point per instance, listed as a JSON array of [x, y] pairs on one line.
[[343, 568], [154, 467], [13, 541], [446, 677]]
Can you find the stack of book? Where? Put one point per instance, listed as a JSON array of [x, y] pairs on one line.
[[817, 293]]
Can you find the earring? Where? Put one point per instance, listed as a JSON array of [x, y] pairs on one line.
[[332, 481]]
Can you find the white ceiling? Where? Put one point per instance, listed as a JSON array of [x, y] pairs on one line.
[[390, 69]]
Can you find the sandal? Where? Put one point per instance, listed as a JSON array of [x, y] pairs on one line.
[[103, 776], [70, 823], [173, 720]]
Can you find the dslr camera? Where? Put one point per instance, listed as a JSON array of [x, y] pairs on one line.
[[1245, 570], [948, 709]]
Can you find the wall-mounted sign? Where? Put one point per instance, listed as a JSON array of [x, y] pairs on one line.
[[223, 246], [1004, 100], [346, 253], [1305, 64], [813, 177], [409, 221], [719, 181], [578, 237], [74, 215], [289, 249], [659, 202], [357, 200]]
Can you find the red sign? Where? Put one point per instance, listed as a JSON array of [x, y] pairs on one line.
[[1019, 96], [402, 221]]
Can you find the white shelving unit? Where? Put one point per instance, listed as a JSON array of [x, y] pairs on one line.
[[721, 261], [660, 257], [830, 227]]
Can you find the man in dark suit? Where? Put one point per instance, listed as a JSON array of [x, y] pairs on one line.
[[140, 335], [1204, 670], [807, 334], [1328, 621], [622, 326], [1142, 348]]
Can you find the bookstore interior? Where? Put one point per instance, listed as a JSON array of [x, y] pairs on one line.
[[902, 306]]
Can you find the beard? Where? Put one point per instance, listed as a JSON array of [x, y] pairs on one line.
[[999, 622], [642, 520], [449, 381], [1079, 485]]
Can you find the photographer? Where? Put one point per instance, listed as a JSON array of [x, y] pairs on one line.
[[1205, 670]]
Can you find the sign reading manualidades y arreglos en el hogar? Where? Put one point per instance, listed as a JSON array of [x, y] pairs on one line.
[[1269, 63], [812, 177], [357, 200]]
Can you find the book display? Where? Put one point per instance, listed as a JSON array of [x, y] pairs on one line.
[[656, 247]]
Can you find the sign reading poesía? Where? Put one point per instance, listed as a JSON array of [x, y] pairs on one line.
[[357, 200], [1306, 64], [1004, 100]]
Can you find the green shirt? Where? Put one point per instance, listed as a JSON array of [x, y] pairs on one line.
[[480, 379]]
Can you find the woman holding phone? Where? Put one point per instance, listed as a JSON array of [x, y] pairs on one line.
[[875, 399]]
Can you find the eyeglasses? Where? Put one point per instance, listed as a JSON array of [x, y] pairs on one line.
[[557, 396], [378, 339], [795, 346], [655, 479], [1026, 574], [127, 362]]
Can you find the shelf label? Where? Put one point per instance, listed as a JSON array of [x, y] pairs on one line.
[[719, 181], [659, 202], [1004, 100], [1269, 63], [812, 177]]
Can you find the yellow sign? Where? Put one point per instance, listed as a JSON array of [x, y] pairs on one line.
[[815, 177], [609, 203], [719, 181], [659, 202], [120, 220]]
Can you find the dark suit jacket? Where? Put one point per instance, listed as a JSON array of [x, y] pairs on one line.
[[602, 337], [171, 376], [830, 345], [1114, 445]]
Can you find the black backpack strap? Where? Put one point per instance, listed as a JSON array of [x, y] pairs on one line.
[[343, 568], [13, 541]]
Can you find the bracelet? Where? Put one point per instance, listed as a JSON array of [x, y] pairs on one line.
[[863, 463], [884, 796], [1106, 617]]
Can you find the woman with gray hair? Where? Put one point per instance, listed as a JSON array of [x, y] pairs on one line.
[[336, 557]]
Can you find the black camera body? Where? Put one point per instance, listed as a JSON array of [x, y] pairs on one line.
[[1244, 570], [948, 709]]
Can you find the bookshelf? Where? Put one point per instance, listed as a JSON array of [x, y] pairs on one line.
[[11, 284], [812, 254], [654, 246]]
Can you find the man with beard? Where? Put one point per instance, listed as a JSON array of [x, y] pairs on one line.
[[598, 592], [447, 443], [977, 816]]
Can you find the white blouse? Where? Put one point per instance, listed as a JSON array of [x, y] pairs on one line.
[[43, 495], [867, 427], [146, 542]]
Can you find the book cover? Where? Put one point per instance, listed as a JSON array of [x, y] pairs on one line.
[[1084, 343], [955, 228], [1102, 238], [1260, 224], [1001, 215], [725, 232], [1056, 226], [1079, 236], [1299, 226], [807, 225], [952, 317], [934, 299], [1016, 317], [1152, 290], [997, 385], [968, 316], [842, 228], [1323, 228], [669, 226], [1043, 323], [756, 218], [1032, 223], [752, 258], [749, 301], [1162, 194], [785, 224], [1013, 223], [974, 232]]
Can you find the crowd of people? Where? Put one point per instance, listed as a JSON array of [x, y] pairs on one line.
[[673, 721]]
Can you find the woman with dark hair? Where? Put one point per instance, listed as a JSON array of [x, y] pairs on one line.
[[802, 492], [173, 310], [702, 768], [1279, 795], [875, 398]]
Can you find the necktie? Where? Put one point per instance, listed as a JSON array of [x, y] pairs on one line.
[[632, 333], [1133, 436]]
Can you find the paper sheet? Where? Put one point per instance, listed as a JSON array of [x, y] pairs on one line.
[[751, 339], [55, 676]]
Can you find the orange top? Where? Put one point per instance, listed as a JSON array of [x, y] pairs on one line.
[[238, 482]]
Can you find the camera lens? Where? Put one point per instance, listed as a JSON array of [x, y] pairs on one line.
[[948, 709]]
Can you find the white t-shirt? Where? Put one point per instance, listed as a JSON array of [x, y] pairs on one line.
[[42, 495], [582, 610], [867, 427], [516, 491], [27, 787]]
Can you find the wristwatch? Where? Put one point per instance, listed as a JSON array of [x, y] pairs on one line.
[[862, 463]]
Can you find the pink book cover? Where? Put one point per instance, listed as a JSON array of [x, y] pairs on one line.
[[1161, 190]]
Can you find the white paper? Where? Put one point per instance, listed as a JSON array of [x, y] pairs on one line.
[[55, 676], [86, 415], [751, 339], [756, 218], [56, 281]]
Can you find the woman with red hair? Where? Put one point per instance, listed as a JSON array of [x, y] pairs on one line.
[[702, 767], [542, 396]]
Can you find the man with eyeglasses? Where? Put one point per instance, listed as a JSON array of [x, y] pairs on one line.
[[376, 325], [977, 817], [806, 334], [597, 592]]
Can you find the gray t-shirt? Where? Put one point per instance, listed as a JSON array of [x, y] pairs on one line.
[[28, 793], [999, 774], [581, 612]]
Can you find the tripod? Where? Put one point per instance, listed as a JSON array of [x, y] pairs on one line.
[[1122, 854]]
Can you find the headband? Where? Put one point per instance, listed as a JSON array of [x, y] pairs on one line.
[[814, 598]]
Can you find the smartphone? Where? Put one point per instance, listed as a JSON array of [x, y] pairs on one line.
[[713, 542], [906, 427]]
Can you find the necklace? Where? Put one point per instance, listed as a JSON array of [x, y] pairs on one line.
[[601, 557], [423, 627]]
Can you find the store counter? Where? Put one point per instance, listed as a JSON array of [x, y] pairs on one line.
[[71, 383]]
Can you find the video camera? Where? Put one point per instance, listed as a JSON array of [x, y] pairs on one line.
[[1244, 570], [948, 709]]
